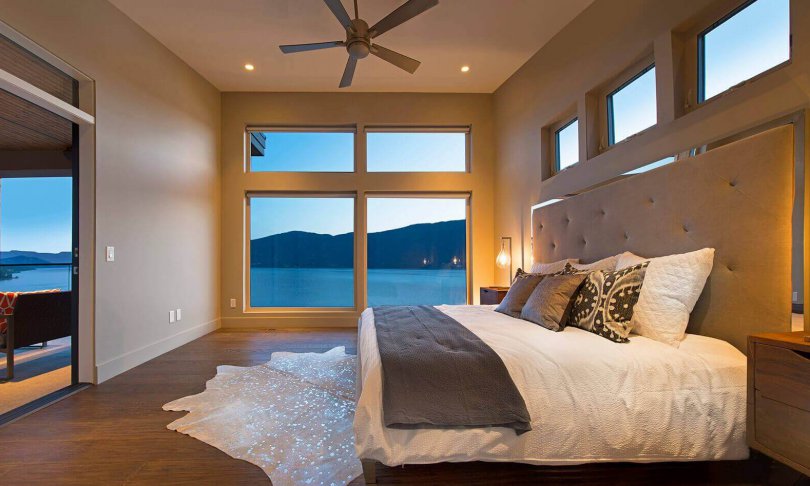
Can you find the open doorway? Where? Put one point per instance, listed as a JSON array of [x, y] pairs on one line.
[[39, 162]]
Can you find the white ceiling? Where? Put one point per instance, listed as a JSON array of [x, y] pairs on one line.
[[217, 37]]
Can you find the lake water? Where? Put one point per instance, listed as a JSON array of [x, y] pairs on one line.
[[27, 279], [301, 287], [334, 287]]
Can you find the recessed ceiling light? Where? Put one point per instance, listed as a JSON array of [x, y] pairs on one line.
[[249, 67], [465, 69]]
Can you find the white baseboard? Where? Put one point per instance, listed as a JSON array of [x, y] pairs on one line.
[[127, 361]]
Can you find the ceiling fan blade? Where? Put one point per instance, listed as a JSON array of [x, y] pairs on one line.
[[339, 11], [348, 73], [395, 58], [291, 48], [404, 13]]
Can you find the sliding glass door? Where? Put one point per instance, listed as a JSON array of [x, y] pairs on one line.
[[37, 285]]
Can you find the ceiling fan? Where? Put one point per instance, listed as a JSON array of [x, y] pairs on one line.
[[359, 36]]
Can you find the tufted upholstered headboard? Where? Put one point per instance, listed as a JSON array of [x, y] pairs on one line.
[[737, 199]]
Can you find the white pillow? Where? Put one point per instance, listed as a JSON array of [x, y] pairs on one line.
[[671, 288], [553, 267], [606, 264]]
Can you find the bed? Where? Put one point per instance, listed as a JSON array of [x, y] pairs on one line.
[[590, 399], [593, 400]]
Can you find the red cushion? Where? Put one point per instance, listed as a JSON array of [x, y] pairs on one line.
[[7, 302]]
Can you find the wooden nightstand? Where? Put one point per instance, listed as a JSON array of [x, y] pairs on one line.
[[493, 295], [779, 397]]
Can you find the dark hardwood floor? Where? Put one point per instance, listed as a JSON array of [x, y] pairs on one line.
[[116, 433]]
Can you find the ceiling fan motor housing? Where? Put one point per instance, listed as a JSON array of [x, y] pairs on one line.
[[358, 41]]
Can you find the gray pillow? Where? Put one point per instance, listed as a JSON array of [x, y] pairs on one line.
[[551, 302], [519, 292]]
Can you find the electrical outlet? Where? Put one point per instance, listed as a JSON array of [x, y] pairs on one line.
[[110, 253], [233, 303], [179, 314], [171, 316]]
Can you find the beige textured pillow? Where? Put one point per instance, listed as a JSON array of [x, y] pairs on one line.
[[553, 267], [606, 264], [672, 287], [552, 300]]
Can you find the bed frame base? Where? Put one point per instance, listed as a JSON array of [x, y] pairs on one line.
[[759, 469]]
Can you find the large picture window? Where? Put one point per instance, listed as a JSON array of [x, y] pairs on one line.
[[301, 151], [747, 42], [417, 151], [417, 250], [301, 251]]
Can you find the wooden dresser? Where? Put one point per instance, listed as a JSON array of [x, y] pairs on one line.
[[779, 397], [493, 295]]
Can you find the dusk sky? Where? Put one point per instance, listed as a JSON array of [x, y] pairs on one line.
[[634, 106], [270, 216], [387, 152], [416, 152], [36, 214], [754, 40], [569, 144]]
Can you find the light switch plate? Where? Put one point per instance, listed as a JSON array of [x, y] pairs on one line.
[[233, 303], [110, 253], [795, 297], [179, 314], [171, 316]]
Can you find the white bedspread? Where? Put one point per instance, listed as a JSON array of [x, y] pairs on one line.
[[591, 400]]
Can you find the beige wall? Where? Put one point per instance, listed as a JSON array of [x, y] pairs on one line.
[[240, 110], [157, 178], [594, 48]]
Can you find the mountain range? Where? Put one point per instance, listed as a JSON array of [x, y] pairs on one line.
[[419, 246], [18, 257]]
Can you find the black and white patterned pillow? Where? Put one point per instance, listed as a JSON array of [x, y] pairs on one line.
[[605, 302], [571, 270]]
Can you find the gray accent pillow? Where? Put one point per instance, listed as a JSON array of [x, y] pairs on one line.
[[518, 293], [552, 300], [604, 305]]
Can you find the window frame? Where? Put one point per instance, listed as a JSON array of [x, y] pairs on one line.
[[466, 195], [246, 298], [700, 67], [609, 105], [555, 143], [466, 129], [300, 129]]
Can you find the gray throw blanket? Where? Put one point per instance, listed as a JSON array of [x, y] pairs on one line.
[[436, 373]]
